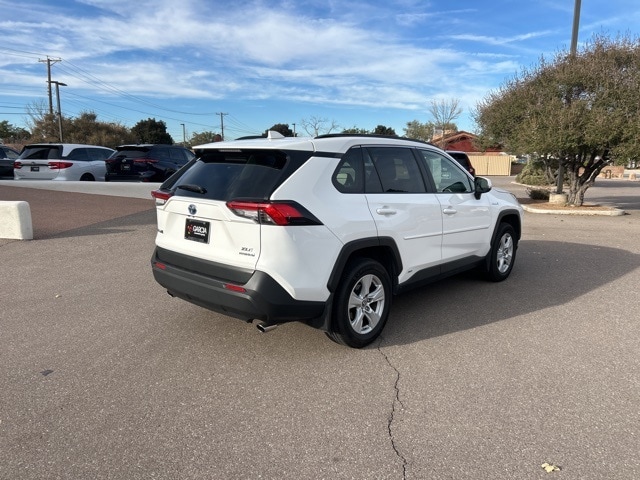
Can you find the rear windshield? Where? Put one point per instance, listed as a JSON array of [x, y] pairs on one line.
[[460, 157], [130, 152], [225, 175], [41, 152]]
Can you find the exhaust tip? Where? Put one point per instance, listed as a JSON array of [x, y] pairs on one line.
[[265, 327]]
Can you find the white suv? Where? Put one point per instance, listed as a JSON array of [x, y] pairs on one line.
[[325, 230]]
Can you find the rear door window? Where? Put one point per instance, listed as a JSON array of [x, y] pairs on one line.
[[397, 169], [98, 153], [78, 154]]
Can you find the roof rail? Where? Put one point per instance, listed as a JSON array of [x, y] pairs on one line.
[[373, 135], [365, 135]]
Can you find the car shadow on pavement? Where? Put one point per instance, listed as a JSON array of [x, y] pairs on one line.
[[546, 274], [122, 224]]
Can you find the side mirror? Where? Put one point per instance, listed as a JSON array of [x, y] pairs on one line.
[[482, 185]]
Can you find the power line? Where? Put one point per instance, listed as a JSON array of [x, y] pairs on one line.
[[97, 82]]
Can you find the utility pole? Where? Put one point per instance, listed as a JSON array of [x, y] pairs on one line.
[[222, 123], [184, 136], [58, 100], [50, 61]]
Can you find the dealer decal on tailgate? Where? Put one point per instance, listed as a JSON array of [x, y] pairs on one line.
[[197, 231]]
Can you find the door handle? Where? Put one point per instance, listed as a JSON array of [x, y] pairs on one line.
[[449, 211], [386, 211]]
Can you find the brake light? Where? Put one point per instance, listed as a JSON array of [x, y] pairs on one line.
[[59, 165], [161, 196], [144, 160], [17, 165], [274, 213]]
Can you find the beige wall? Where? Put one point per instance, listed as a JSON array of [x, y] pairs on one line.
[[491, 164]]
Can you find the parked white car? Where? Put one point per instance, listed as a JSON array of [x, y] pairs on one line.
[[326, 230], [61, 161]]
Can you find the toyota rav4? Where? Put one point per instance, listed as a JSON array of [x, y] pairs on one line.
[[325, 230]]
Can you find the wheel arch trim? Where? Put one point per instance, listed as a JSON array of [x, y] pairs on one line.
[[387, 248]]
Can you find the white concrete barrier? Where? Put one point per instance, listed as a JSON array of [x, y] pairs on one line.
[[15, 220]]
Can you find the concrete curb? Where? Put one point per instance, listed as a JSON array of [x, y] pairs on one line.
[[612, 212], [16, 220]]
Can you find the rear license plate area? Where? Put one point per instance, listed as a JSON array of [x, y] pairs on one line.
[[197, 230], [35, 169]]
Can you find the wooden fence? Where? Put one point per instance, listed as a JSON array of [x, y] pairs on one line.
[[491, 164]]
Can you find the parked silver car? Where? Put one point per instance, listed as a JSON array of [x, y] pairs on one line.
[[61, 161]]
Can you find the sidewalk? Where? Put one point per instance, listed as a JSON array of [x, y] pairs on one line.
[[54, 212]]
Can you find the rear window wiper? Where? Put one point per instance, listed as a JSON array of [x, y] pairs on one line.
[[193, 188]]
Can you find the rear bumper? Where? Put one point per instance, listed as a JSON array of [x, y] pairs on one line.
[[147, 176], [261, 297]]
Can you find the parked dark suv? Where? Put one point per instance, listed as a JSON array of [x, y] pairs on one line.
[[7, 157], [463, 159], [146, 162]]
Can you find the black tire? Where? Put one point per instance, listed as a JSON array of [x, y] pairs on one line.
[[87, 177], [503, 253], [362, 304]]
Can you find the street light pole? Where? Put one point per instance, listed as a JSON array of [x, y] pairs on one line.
[[574, 48], [58, 84], [184, 136], [576, 23]]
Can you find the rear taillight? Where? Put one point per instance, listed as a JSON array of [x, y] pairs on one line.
[[144, 160], [17, 165], [59, 165], [161, 196], [273, 213]]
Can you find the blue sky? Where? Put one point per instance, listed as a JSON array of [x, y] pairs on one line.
[[353, 63]]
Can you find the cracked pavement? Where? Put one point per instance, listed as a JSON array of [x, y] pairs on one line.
[[104, 376]]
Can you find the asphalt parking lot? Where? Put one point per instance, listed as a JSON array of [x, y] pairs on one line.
[[104, 376]]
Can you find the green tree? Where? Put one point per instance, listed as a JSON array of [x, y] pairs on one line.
[[356, 131], [382, 130], [86, 128], [426, 131], [43, 125], [204, 137], [419, 131], [151, 131], [582, 110], [12, 134], [282, 128]]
